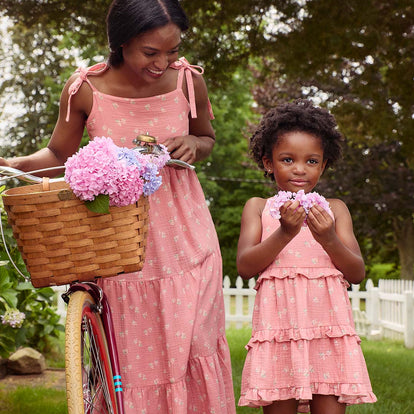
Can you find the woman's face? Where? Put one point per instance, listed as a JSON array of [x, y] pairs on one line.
[[150, 54], [297, 161]]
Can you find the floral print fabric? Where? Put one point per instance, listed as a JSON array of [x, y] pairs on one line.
[[303, 337], [169, 318]]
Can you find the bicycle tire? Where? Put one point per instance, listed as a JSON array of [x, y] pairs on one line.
[[89, 380]]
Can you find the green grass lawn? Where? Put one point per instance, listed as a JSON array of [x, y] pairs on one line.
[[24, 400], [391, 368]]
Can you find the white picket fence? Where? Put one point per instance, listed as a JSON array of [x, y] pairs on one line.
[[386, 311]]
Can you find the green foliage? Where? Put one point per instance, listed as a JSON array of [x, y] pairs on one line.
[[377, 185], [100, 204], [41, 321], [379, 271], [226, 176], [355, 58], [359, 65]]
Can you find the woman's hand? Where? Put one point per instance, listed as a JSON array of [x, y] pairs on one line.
[[4, 162], [189, 148], [182, 148]]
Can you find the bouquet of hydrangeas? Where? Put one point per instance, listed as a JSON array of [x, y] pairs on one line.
[[307, 201], [103, 174]]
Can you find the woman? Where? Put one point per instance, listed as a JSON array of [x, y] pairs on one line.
[[169, 318]]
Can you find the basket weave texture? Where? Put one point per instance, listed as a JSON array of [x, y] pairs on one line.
[[61, 241]]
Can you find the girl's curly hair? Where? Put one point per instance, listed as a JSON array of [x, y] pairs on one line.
[[298, 116]]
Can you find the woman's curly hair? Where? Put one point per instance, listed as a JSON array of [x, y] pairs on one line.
[[298, 116]]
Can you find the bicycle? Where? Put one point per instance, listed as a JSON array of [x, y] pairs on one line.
[[93, 377]]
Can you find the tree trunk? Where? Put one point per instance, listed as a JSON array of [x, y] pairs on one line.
[[404, 234]]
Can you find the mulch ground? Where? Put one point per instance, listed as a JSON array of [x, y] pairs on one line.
[[50, 378]]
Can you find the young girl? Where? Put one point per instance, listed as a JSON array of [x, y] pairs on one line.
[[304, 353], [169, 318]]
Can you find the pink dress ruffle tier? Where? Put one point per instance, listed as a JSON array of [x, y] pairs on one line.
[[169, 318], [303, 336]]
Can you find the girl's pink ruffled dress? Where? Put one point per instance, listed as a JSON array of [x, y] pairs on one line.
[[169, 318], [303, 337]]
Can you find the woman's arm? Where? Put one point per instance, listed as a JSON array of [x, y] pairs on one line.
[[253, 254], [199, 144], [338, 239], [65, 138]]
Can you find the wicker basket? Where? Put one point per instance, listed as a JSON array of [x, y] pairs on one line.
[[61, 241]]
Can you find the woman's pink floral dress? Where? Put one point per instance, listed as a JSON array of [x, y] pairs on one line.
[[169, 318]]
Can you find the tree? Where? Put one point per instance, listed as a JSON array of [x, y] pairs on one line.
[[73, 26], [38, 67], [357, 59], [377, 184], [227, 176]]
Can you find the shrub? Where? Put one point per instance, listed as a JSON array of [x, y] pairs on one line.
[[40, 322]]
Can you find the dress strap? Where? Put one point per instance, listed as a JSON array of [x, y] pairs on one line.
[[83, 77], [186, 68]]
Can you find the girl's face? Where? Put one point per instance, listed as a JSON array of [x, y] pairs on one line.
[[150, 54], [297, 161]]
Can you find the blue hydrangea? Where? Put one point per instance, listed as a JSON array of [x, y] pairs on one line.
[[129, 156], [152, 185]]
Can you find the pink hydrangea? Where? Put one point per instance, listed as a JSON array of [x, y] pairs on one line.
[[307, 201], [123, 174]]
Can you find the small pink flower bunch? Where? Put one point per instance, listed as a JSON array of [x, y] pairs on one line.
[[305, 200], [119, 176]]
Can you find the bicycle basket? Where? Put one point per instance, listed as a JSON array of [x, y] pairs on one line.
[[61, 241]]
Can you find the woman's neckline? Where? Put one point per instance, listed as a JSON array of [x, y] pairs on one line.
[[96, 89]]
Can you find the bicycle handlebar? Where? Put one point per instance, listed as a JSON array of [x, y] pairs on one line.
[[10, 172]]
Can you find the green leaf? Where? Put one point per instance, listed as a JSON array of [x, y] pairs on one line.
[[10, 297], [24, 286], [99, 205]]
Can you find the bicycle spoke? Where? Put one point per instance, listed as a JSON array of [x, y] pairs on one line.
[[96, 393]]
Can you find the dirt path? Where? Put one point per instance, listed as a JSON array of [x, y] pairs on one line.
[[50, 378]]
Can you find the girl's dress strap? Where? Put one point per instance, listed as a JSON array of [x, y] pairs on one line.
[[83, 77], [186, 68]]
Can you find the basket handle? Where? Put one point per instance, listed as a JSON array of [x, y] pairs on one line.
[[45, 184]]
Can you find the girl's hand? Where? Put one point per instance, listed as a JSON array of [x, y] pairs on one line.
[[291, 218], [337, 238], [321, 225]]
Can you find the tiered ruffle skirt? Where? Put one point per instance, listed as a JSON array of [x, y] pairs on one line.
[[303, 341]]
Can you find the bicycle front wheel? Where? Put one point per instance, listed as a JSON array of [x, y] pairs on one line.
[[89, 380]]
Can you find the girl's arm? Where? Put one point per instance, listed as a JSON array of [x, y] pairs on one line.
[[338, 239], [199, 144], [253, 254], [65, 138]]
